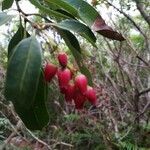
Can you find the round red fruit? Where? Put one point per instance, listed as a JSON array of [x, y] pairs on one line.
[[49, 71], [69, 93], [79, 100], [64, 76], [62, 58], [81, 83], [91, 95]]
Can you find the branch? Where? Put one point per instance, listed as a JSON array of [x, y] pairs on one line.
[[137, 55], [144, 91], [145, 109], [128, 17], [37, 139], [34, 25], [140, 7]]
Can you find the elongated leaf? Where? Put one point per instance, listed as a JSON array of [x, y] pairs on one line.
[[36, 117], [102, 28], [7, 4], [4, 18], [48, 11], [18, 36], [51, 5], [79, 28], [90, 16], [64, 5], [72, 44], [39, 107], [23, 73], [54, 6], [65, 13], [85, 11]]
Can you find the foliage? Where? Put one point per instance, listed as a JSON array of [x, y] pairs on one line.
[[117, 65], [24, 52]]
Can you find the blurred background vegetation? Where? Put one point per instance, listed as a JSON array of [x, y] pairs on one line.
[[121, 75]]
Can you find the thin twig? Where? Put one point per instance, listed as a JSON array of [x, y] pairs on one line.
[[144, 91], [140, 7], [37, 139], [128, 17]]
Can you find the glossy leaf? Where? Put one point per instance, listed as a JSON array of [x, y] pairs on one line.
[[79, 28], [7, 4], [36, 117], [85, 11], [48, 11], [23, 73], [102, 28], [72, 44], [90, 17], [4, 18], [54, 6], [65, 13], [62, 4], [18, 36], [25, 86]]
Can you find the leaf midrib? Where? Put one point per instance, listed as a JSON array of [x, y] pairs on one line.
[[20, 87], [26, 64]]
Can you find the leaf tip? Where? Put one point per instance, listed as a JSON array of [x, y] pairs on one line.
[[102, 28]]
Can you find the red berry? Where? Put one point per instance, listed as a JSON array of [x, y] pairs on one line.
[[62, 58], [79, 100], [64, 76], [49, 71], [81, 83], [91, 96], [69, 93]]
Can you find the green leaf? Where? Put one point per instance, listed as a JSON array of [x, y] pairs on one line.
[[4, 18], [72, 44], [79, 28], [18, 36], [54, 6], [84, 11], [51, 5], [23, 73], [65, 13], [78, 8], [25, 86], [6, 4], [62, 4], [92, 18], [48, 11], [39, 107], [36, 117]]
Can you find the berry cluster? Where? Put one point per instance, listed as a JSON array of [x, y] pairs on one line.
[[74, 89]]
